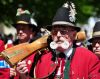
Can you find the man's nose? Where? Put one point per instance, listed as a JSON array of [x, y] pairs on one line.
[[97, 45], [20, 31], [59, 33]]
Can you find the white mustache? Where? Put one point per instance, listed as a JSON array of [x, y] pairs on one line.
[[64, 45]]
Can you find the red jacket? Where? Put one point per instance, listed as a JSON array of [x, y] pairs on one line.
[[84, 65], [4, 72], [2, 47]]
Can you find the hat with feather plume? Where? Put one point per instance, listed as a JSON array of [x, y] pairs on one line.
[[65, 15], [24, 17]]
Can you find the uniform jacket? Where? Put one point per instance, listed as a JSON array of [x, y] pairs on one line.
[[84, 65]]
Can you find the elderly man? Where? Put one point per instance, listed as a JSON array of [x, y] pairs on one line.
[[62, 60]]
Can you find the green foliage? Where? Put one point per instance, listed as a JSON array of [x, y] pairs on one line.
[[45, 9]]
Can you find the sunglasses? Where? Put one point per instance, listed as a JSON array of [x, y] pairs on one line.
[[63, 31], [95, 41]]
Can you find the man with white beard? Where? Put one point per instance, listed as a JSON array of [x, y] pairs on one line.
[[62, 60]]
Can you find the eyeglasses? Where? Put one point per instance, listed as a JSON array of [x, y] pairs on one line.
[[22, 27], [95, 41], [62, 31]]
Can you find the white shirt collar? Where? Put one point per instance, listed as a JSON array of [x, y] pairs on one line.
[[68, 52]]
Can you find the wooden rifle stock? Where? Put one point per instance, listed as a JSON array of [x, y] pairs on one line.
[[17, 53]]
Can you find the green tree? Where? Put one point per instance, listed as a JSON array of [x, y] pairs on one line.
[[45, 9]]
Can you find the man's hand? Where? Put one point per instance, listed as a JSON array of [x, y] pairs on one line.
[[12, 72], [22, 68]]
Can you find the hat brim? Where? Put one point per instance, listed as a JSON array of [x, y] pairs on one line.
[[49, 27], [91, 40], [22, 24]]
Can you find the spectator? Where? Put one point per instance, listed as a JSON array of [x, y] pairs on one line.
[[27, 31], [9, 41], [4, 68], [95, 40]]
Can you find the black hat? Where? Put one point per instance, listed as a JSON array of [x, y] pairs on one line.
[[25, 17], [96, 31], [65, 16]]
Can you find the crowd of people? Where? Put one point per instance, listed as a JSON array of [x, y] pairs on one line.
[[65, 57]]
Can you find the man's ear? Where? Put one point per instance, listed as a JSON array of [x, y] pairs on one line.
[[80, 36]]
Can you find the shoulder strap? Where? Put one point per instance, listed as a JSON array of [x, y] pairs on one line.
[[36, 58]]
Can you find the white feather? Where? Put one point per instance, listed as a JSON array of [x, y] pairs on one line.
[[33, 22], [65, 5]]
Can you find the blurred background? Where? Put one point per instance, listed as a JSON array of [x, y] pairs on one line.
[[88, 12]]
